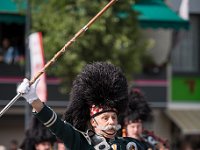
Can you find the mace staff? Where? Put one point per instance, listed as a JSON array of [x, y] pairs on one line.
[[59, 53]]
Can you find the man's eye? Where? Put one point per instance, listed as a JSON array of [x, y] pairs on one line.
[[114, 117], [105, 118]]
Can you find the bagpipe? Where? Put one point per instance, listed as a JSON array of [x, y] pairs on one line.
[[152, 139], [158, 142]]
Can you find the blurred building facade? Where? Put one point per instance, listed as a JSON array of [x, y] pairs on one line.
[[170, 79], [184, 98], [13, 122]]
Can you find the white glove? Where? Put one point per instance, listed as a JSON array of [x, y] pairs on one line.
[[27, 91]]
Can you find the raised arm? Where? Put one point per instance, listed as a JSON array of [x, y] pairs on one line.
[[72, 138], [29, 93]]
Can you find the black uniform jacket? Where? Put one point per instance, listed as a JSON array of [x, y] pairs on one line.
[[76, 140]]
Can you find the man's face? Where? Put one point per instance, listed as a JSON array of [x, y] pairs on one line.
[[134, 129], [43, 146], [61, 146], [103, 124], [5, 43]]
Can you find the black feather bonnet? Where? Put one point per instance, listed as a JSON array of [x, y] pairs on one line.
[[138, 108], [36, 134], [100, 84]]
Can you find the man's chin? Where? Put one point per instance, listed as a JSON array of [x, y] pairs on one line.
[[111, 132], [135, 137]]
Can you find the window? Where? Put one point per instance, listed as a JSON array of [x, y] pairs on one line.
[[185, 53]]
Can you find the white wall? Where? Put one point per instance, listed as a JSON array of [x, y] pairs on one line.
[[161, 125], [11, 127]]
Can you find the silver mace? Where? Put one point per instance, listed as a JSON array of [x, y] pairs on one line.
[[59, 53]]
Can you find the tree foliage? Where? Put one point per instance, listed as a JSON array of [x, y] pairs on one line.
[[114, 37]]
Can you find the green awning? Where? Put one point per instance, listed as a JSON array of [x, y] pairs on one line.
[[12, 18], [12, 11], [156, 14]]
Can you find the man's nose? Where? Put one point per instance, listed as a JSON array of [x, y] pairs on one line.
[[111, 120], [137, 129], [47, 147]]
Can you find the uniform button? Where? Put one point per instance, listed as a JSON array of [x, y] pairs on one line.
[[102, 146]]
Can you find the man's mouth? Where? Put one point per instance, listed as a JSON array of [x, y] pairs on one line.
[[110, 131]]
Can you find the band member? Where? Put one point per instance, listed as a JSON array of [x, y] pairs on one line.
[[137, 113], [99, 95], [38, 137]]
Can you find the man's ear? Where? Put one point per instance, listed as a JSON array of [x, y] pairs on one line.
[[92, 122]]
